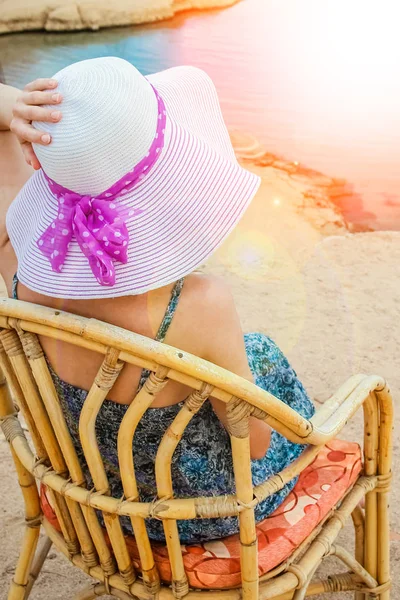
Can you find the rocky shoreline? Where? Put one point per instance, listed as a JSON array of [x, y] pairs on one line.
[[67, 15], [327, 202]]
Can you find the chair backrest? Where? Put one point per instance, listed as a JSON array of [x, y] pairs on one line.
[[55, 463]]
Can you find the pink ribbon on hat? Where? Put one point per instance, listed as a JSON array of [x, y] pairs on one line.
[[97, 223]]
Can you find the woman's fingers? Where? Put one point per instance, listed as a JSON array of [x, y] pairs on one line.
[[41, 84], [30, 155], [29, 107], [39, 97], [36, 113], [24, 131]]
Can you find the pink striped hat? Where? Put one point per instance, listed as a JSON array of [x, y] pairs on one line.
[[138, 187]]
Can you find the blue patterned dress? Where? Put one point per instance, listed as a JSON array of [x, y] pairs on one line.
[[202, 463]]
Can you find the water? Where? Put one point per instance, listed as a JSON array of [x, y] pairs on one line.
[[316, 82]]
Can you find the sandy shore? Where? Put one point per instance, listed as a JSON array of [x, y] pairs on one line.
[[69, 15], [328, 297]]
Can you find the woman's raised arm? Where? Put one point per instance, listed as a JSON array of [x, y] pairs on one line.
[[226, 348], [19, 108], [8, 98]]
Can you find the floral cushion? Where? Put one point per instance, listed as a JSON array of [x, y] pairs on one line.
[[216, 564]]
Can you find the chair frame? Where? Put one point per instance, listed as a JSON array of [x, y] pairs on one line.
[[26, 381]]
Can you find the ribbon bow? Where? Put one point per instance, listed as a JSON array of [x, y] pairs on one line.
[[97, 223], [99, 230]]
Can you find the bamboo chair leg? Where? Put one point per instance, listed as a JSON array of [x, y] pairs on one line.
[[378, 410], [32, 531], [384, 473], [358, 521], [19, 583], [359, 529], [31, 499], [383, 543], [37, 565], [371, 441]]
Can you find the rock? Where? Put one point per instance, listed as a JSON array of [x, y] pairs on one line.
[[181, 5], [96, 15], [26, 14], [266, 160], [67, 15], [318, 180], [64, 18], [285, 165], [91, 16]]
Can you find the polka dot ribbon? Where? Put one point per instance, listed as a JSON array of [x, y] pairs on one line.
[[98, 222]]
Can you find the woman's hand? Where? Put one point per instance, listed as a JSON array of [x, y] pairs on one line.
[[29, 107]]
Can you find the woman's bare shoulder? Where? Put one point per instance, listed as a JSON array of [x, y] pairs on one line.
[[208, 287], [206, 297], [211, 322]]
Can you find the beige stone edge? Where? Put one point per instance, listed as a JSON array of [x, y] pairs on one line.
[[62, 15]]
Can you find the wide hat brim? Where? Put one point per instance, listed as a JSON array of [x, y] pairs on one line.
[[189, 203]]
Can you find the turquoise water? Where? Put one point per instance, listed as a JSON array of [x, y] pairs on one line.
[[316, 82]]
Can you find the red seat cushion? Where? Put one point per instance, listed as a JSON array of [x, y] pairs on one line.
[[216, 564]]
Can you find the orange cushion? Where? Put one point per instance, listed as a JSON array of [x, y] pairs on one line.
[[216, 564]]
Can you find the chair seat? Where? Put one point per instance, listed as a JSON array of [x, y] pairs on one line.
[[216, 564]]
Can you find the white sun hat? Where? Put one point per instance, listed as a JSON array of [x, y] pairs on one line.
[[138, 187]]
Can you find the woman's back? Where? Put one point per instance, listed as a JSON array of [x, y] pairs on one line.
[[202, 464], [204, 323]]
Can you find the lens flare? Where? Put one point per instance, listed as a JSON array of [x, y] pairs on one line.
[[264, 267]]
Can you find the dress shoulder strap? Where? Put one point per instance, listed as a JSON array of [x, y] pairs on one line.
[[165, 323], [14, 287], [170, 311]]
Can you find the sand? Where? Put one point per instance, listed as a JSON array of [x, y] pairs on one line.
[[69, 15], [327, 296]]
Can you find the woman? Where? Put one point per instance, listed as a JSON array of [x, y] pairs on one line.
[[136, 185]]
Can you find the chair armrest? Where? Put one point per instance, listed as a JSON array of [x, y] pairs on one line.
[[330, 419], [333, 416]]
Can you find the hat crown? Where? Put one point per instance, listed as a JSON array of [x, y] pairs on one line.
[[109, 120]]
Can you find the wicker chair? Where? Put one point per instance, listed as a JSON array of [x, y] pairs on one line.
[[103, 552]]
